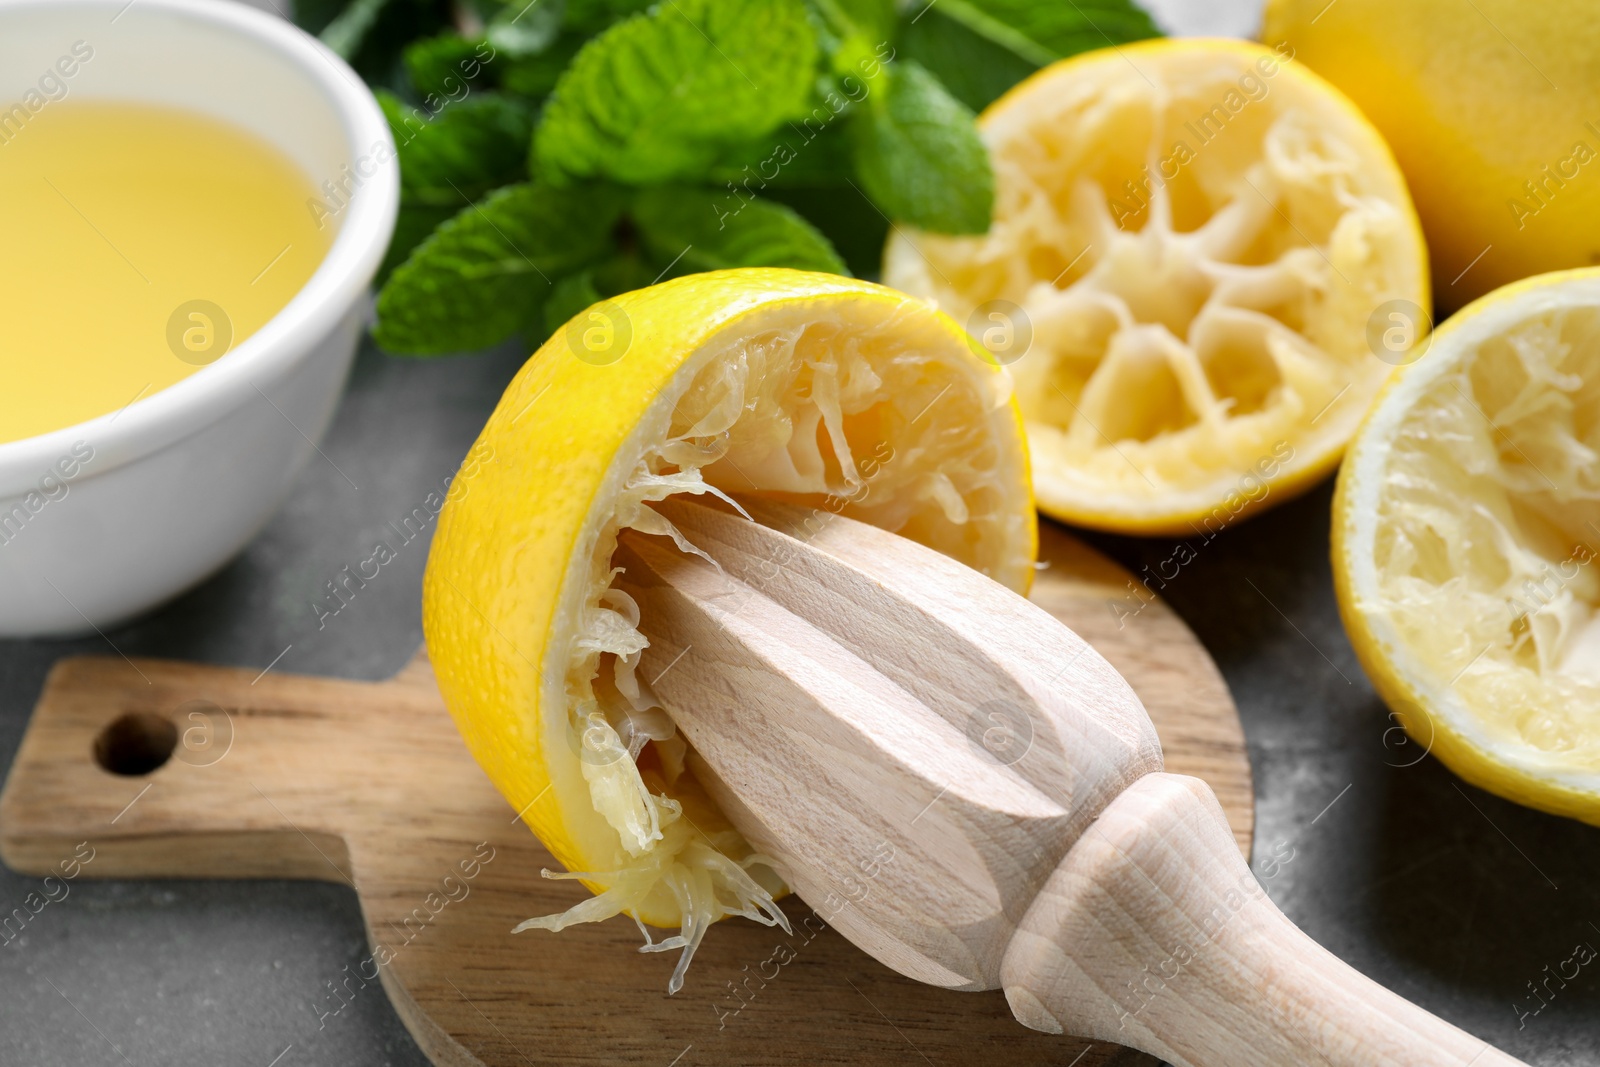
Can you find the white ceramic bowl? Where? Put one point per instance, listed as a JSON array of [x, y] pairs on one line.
[[179, 481]]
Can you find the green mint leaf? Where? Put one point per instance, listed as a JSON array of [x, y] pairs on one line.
[[692, 229], [661, 96], [589, 17], [534, 76], [525, 29], [411, 227], [975, 69], [471, 146], [918, 155], [810, 154], [625, 273], [856, 35], [1059, 29], [851, 223], [811, 150], [981, 48], [577, 292], [871, 19], [852, 30], [447, 66], [486, 273], [570, 295]]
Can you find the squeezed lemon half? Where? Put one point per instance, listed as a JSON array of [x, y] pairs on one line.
[[1190, 238], [1465, 542], [811, 387]]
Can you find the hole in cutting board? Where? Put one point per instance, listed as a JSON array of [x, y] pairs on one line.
[[135, 743]]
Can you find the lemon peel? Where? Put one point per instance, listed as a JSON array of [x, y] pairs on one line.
[[1194, 234], [814, 388], [1466, 530]]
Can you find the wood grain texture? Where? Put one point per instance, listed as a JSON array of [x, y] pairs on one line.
[[370, 785], [1154, 934], [876, 717], [914, 745]]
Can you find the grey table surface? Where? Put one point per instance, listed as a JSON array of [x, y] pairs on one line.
[[1452, 897]]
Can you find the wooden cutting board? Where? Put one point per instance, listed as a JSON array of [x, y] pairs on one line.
[[368, 784]]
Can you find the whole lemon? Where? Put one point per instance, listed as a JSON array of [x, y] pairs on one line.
[[1493, 109]]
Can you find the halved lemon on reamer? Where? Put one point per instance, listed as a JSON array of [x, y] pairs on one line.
[[808, 387], [1190, 240], [1466, 544]]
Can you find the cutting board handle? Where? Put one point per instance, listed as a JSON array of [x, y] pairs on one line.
[[1153, 933], [165, 769]]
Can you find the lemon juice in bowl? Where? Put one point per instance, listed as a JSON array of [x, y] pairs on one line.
[[148, 241]]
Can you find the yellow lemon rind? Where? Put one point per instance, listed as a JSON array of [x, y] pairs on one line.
[[510, 552], [1204, 508], [1431, 715]]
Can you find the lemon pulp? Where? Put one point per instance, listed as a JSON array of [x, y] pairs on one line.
[[811, 388], [1487, 551], [1195, 234]]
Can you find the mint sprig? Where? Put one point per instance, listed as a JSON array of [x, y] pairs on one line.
[[466, 150], [1058, 30], [919, 156], [699, 229], [485, 273], [981, 48], [659, 97], [450, 160], [559, 152]]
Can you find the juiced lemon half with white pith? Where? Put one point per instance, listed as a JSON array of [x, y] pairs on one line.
[[810, 387], [1190, 238], [1466, 544]]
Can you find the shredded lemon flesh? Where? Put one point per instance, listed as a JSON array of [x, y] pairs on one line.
[[862, 420], [1488, 533], [1193, 303]]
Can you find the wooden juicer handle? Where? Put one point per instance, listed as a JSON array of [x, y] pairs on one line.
[[1153, 933], [872, 714]]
